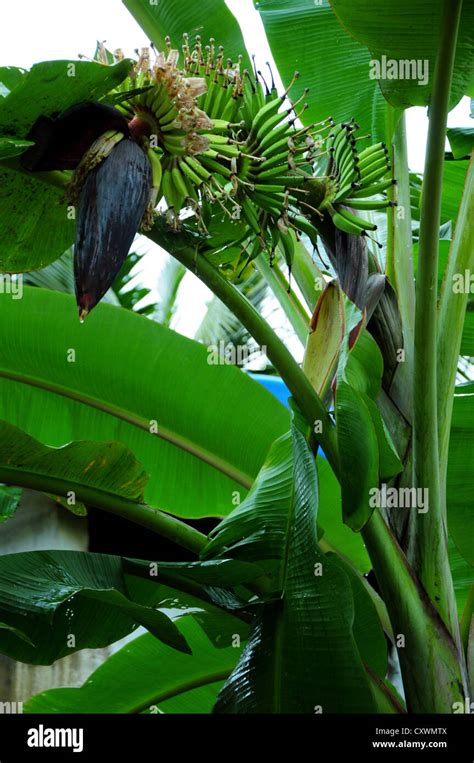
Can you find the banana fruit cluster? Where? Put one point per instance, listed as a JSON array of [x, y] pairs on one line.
[[357, 177], [262, 158], [218, 136], [216, 133]]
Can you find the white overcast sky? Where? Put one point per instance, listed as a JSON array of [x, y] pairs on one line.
[[38, 30]]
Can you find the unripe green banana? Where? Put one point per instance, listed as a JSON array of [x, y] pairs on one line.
[[267, 188], [269, 165], [196, 166], [374, 176], [274, 149], [274, 205], [268, 110], [277, 134], [228, 151], [368, 204], [372, 190], [305, 226], [378, 164], [156, 169], [179, 183], [288, 245], [220, 124], [193, 177], [216, 167], [250, 214], [345, 225], [356, 220], [377, 156], [367, 152]]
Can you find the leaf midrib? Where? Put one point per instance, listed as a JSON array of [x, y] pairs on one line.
[[164, 433]]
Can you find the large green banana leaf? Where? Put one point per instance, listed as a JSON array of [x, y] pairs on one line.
[[366, 627], [34, 225], [358, 455], [13, 146], [366, 452], [454, 178], [306, 36], [463, 575], [408, 31], [461, 140], [335, 533], [35, 228], [257, 529], [53, 603], [63, 601], [314, 661], [467, 340], [51, 87], [148, 674], [460, 490], [107, 467], [11, 77], [201, 432], [9, 500]]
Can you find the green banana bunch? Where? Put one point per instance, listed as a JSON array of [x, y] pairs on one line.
[[256, 147], [218, 134], [356, 178]]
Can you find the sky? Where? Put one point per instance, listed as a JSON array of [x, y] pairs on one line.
[[63, 29]]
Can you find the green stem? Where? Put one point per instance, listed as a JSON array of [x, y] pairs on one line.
[[141, 514], [387, 701], [399, 256], [429, 552], [288, 302], [451, 315], [391, 223], [400, 268], [163, 433], [466, 620], [429, 660], [378, 603], [306, 398]]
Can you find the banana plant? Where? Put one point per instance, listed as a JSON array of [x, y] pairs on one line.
[[345, 536]]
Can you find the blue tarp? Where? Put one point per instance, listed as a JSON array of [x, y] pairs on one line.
[[275, 385], [278, 388]]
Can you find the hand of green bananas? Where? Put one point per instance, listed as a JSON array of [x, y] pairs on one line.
[[207, 133]]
